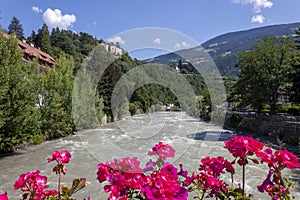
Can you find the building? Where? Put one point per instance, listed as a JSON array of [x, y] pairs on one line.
[[31, 52], [113, 49]]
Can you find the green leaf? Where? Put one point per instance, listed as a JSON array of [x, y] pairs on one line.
[[78, 184]]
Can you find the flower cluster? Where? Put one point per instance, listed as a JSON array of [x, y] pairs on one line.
[[279, 160], [160, 180], [123, 174], [163, 184], [33, 185], [128, 180], [163, 151], [208, 177], [274, 184], [243, 147]]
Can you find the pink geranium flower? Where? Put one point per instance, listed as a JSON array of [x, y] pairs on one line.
[[163, 151], [163, 184], [280, 159], [62, 157], [287, 159], [122, 174], [131, 165], [216, 166], [34, 185], [3, 196], [242, 147]]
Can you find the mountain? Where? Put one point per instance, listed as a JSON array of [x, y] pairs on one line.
[[225, 49]]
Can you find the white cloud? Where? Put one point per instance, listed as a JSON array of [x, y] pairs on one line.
[[185, 44], [157, 41], [181, 45], [117, 39], [36, 9], [177, 46], [257, 4], [258, 18], [55, 18]]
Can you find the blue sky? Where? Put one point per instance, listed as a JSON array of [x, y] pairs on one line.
[[198, 19]]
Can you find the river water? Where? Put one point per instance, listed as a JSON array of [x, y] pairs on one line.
[[130, 137]]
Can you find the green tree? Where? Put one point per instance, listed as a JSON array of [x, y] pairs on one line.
[[19, 119], [16, 27], [87, 43], [32, 37], [87, 104], [42, 39], [296, 77], [56, 109], [264, 69]]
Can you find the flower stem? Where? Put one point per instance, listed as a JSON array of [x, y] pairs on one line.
[[232, 181], [243, 192], [202, 197], [58, 182]]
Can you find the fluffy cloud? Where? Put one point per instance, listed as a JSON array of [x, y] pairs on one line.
[[184, 44], [257, 4], [157, 41], [36, 9], [117, 39], [181, 45], [55, 18], [258, 18]]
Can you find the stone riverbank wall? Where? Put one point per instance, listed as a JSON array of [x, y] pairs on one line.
[[284, 128]]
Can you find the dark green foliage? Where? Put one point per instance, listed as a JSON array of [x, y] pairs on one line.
[[76, 45], [267, 67], [87, 104], [34, 106], [152, 94], [16, 27], [111, 76], [42, 39], [19, 120], [87, 43], [295, 97], [56, 90], [186, 67]]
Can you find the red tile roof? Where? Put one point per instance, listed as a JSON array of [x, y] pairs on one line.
[[30, 50]]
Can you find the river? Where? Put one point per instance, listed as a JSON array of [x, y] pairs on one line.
[[130, 137]]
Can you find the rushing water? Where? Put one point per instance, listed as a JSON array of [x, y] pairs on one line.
[[135, 136]]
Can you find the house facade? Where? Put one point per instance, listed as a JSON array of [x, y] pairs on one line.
[[31, 52]]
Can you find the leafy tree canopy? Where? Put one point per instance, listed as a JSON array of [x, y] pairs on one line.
[[265, 69]]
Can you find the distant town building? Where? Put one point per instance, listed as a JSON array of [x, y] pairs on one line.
[[31, 52], [113, 49]]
